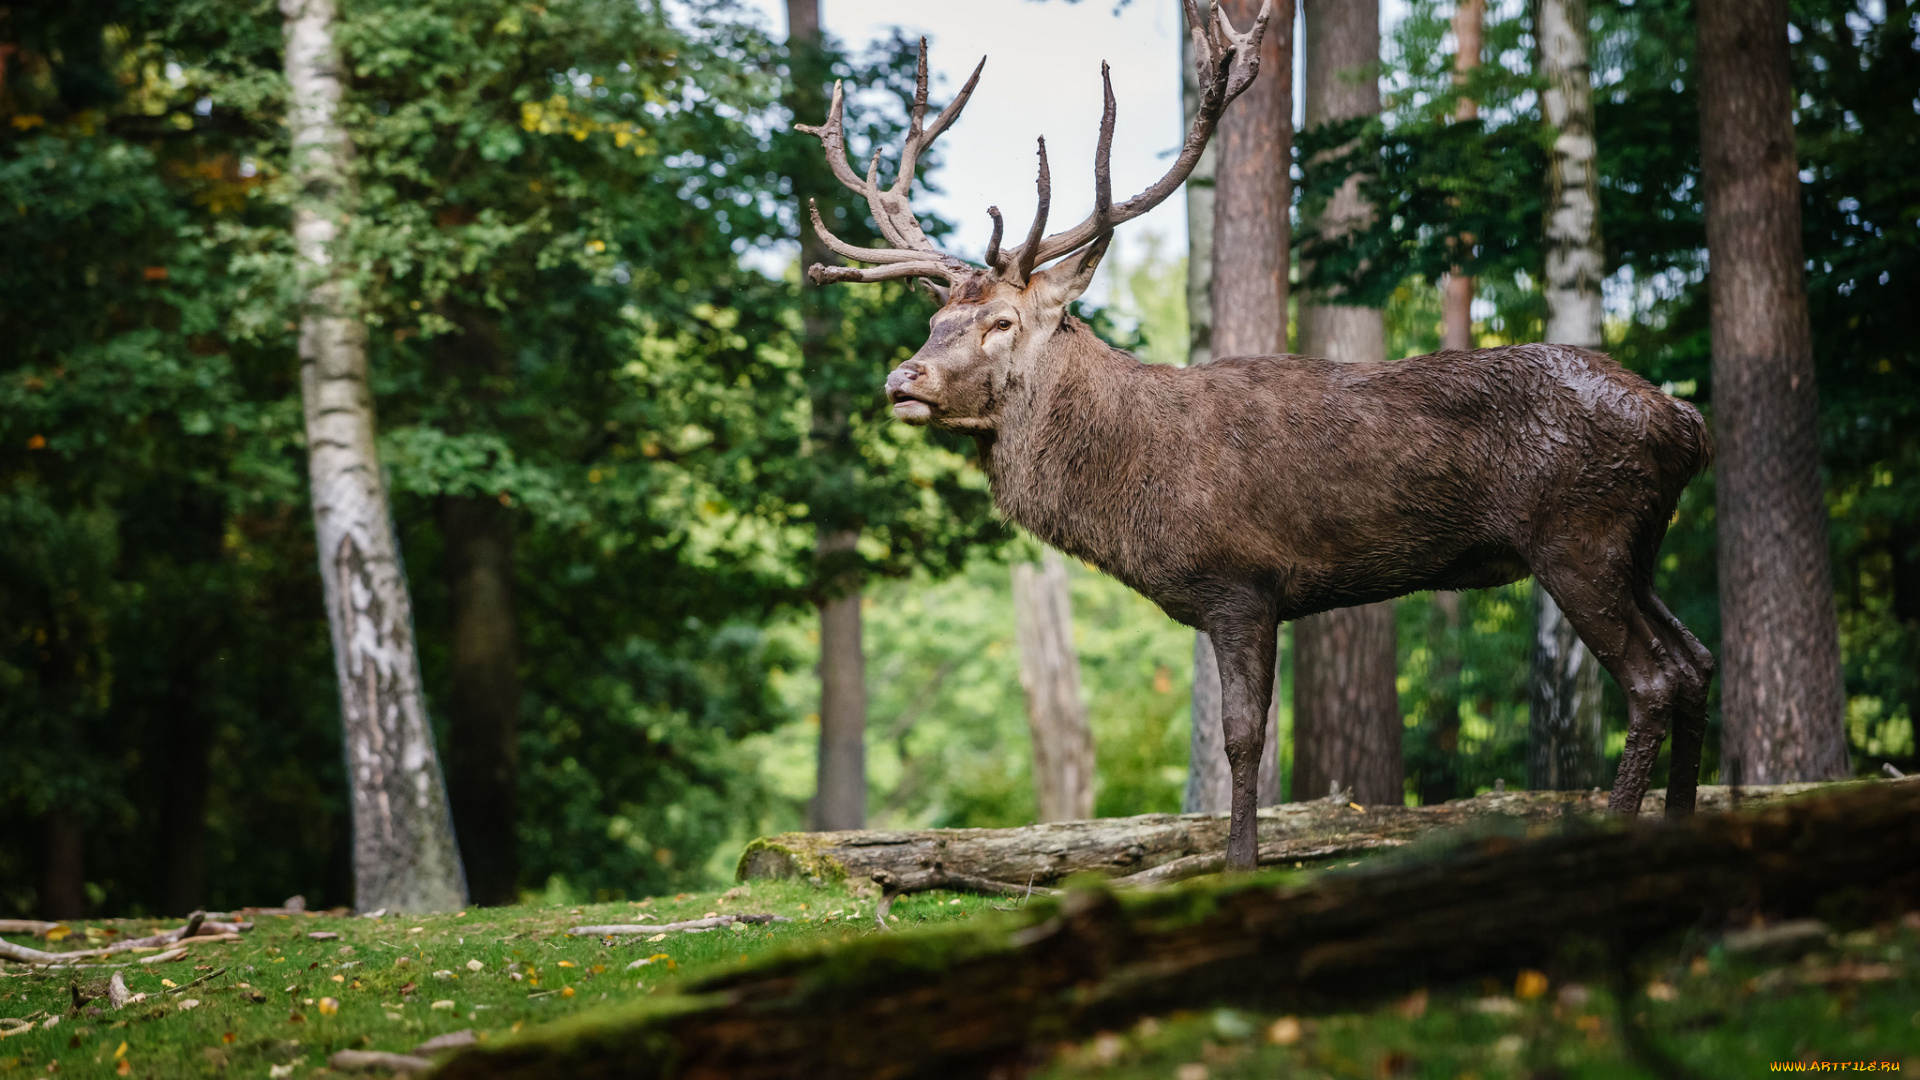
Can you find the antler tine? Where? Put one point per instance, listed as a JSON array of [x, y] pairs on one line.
[[993, 245], [859, 254], [833, 140], [823, 274], [1103, 151], [1227, 61], [919, 139], [883, 213], [1024, 257]]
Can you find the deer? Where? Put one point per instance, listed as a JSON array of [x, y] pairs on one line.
[[1252, 490]]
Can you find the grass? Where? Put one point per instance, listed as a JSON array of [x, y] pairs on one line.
[[265, 1009]]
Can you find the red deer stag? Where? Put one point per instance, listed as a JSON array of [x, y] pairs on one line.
[[1256, 489]]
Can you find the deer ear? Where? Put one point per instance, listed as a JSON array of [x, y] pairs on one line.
[[1067, 279]]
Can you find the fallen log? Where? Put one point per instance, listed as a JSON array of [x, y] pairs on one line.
[[1131, 847], [963, 1001]]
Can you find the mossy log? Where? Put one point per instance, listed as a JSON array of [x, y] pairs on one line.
[[1166, 847], [990, 994]]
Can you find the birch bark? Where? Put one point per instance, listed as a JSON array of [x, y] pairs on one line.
[[404, 856], [1566, 737], [1063, 757], [1346, 708], [1242, 213]]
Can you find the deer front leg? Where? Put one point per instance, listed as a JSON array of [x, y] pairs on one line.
[[1244, 641]]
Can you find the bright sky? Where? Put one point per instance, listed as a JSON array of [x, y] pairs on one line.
[[1042, 78]]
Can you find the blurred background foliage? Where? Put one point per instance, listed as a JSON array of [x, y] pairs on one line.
[[573, 246]]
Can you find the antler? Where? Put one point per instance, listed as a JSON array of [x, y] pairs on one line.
[[1227, 62], [912, 254]]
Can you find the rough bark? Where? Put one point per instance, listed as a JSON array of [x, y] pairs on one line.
[[1063, 758], [1346, 709], [404, 853], [1244, 293], [987, 1001], [483, 706], [1120, 847], [1781, 701], [1456, 295], [1566, 745], [1200, 197], [840, 799]]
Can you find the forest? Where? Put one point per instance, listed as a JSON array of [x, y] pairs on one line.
[[644, 493], [459, 540]]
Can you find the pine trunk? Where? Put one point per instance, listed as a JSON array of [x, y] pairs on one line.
[[404, 856], [1456, 292], [1781, 699], [1566, 735], [1242, 210], [1063, 759], [1346, 707], [840, 797], [483, 708]]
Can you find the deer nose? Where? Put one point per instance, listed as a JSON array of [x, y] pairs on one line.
[[903, 375]]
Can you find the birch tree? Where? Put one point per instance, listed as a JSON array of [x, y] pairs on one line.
[[1566, 745], [404, 857], [1063, 757]]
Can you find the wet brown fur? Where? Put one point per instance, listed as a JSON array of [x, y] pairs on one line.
[[1257, 489]]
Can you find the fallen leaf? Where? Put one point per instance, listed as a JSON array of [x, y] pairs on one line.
[[122, 1052], [566, 963], [340, 978], [169, 983], [657, 937], [475, 965], [566, 991], [1284, 1031], [229, 1038], [62, 932], [329, 1006], [1529, 985], [190, 1003], [408, 988], [442, 1004], [124, 1068]]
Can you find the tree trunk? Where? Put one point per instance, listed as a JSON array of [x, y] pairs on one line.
[[63, 877], [1566, 732], [1781, 699], [1244, 294], [483, 708], [1456, 296], [1063, 759], [189, 775], [840, 799], [1346, 708], [404, 852], [983, 1004]]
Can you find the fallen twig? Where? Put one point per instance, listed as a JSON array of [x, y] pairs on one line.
[[35, 927], [165, 957], [183, 986], [377, 1059], [615, 929], [190, 934], [119, 996]]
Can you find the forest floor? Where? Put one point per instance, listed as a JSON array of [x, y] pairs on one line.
[[280, 1002]]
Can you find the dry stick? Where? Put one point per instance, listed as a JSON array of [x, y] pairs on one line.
[[35, 927], [661, 928], [378, 1059], [119, 996], [191, 934], [183, 986]]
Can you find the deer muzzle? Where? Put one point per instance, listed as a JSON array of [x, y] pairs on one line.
[[904, 388]]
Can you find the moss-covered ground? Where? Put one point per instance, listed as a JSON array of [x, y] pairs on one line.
[[281, 1001]]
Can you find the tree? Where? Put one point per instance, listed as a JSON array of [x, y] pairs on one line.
[[1063, 760], [1782, 698], [840, 799], [404, 853], [1566, 738], [1457, 290], [1346, 708], [1241, 205]]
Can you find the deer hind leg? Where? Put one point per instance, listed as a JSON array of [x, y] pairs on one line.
[[1690, 702], [1244, 639], [1604, 606]]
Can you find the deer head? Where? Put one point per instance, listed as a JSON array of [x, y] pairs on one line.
[[995, 320]]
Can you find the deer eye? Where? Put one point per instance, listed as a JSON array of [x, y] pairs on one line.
[[1003, 324]]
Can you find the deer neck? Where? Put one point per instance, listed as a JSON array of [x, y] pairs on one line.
[[1064, 435]]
